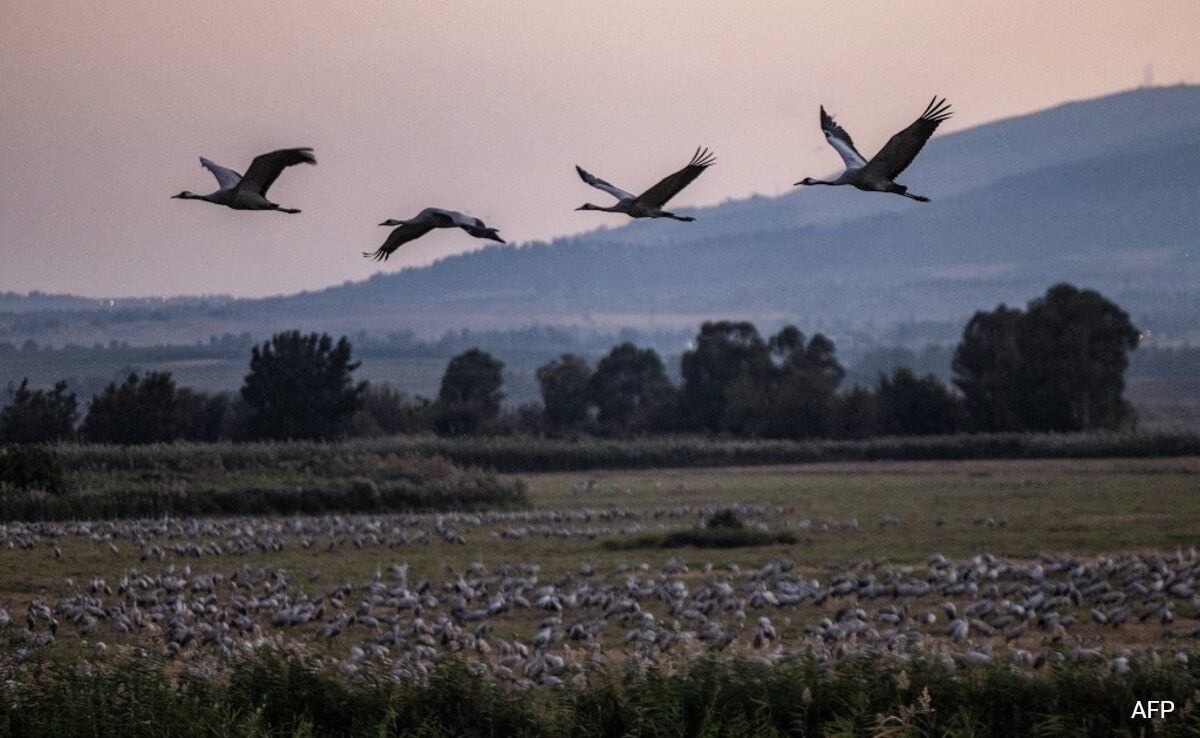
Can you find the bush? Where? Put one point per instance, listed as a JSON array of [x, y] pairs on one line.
[[711, 537], [32, 468], [726, 518], [363, 493]]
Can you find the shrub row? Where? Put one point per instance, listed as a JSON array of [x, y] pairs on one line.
[[534, 454], [471, 492], [367, 484]]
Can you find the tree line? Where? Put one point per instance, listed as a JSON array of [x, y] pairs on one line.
[[1057, 365]]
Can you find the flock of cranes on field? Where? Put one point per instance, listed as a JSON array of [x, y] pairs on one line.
[[878, 174]]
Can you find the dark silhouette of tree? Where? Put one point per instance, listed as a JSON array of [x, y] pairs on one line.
[[801, 406], [987, 365], [564, 384], [631, 390], [725, 352], [1074, 347], [736, 382], [855, 415], [203, 417], [299, 386], [389, 411], [908, 405], [528, 418], [38, 416], [470, 394], [1058, 366], [748, 404], [139, 410], [818, 356], [805, 380]]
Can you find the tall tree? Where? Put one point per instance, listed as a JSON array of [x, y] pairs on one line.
[[781, 388], [819, 356], [139, 410], [805, 380], [299, 386], [564, 384], [1074, 345], [389, 411], [986, 365], [631, 390], [855, 414], [908, 405], [470, 394], [1058, 366], [203, 417], [38, 416], [725, 352]]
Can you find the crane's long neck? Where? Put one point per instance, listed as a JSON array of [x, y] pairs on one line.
[[610, 209], [220, 197]]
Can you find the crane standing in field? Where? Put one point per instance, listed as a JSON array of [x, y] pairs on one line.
[[424, 222], [250, 192], [879, 174], [649, 204]]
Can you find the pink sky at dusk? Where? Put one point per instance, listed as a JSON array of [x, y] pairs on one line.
[[482, 107]]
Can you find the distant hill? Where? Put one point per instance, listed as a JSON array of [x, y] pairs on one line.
[[1104, 193]]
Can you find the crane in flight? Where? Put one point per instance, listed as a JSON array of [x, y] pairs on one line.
[[424, 222], [649, 204], [249, 192], [879, 174]]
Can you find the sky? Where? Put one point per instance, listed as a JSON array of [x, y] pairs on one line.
[[483, 107]]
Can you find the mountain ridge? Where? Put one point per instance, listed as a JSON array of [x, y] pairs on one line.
[[1103, 193]]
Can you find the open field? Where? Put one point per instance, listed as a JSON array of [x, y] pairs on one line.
[[880, 517], [1081, 507], [1171, 405], [1037, 564]]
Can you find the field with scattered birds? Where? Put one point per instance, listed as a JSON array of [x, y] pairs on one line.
[[985, 597]]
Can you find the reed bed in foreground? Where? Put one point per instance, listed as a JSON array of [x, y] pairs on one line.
[[272, 692]]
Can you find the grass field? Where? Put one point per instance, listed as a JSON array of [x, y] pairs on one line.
[[1166, 404], [1013, 530], [1077, 506], [901, 512]]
